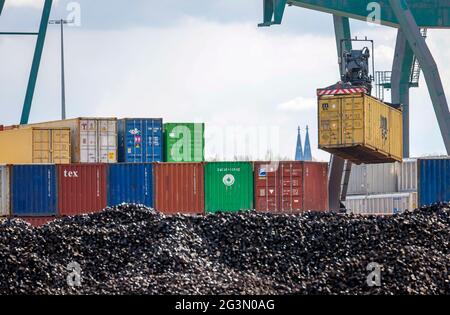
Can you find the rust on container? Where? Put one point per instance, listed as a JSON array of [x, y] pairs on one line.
[[179, 188], [81, 188], [38, 221], [291, 187]]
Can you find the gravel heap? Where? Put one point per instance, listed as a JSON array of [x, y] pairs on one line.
[[134, 250]]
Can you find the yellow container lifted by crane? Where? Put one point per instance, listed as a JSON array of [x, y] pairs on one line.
[[360, 128]]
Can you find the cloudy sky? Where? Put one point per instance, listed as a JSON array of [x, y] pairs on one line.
[[197, 60]]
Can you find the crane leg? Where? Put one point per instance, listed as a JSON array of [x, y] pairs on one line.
[[417, 43], [36, 62], [400, 80], [337, 165]]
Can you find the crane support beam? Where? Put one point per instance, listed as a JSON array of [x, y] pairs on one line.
[[273, 12], [2, 3], [337, 165], [428, 14], [429, 66], [36, 62], [400, 83]]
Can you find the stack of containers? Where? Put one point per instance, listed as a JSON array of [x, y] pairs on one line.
[[228, 186], [93, 140], [184, 142]]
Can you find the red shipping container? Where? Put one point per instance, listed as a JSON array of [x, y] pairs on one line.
[[38, 221], [179, 188], [81, 188], [291, 187]]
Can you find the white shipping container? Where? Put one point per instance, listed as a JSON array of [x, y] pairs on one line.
[[93, 140], [407, 175], [373, 179], [387, 204], [4, 191]]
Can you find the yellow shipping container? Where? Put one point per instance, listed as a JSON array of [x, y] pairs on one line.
[[35, 146], [360, 128]]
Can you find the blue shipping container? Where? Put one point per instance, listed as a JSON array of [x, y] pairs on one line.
[[34, 190], [130, 183], [434, 181], [140, 140]]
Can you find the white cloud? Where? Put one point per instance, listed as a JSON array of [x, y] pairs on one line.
[[299, 104]]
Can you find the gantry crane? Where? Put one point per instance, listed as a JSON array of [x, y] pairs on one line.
[[411, 18]]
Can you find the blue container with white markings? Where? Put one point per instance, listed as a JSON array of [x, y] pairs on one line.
[[34, 190], [130, 183], [434, 180], [140, 140]]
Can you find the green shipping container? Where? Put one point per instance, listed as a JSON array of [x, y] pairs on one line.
[[228, 186], [184, 142]]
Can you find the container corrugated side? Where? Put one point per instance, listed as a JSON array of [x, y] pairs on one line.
[[140, 140], [407, 175], [434, 180], [130, 183], [387, 204], [81, 188], [373, 179], [315, 191], [93, 140], [4, 191], [35, 145], [179, 188], [34, 190], [228, 186], [184, 142]]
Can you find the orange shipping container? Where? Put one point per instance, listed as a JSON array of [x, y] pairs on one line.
[[179, 188], [291, 187]]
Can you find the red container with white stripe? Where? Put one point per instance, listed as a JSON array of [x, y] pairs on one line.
[[81, 188]]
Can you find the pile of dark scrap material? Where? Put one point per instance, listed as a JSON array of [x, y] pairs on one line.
[[133, 250]]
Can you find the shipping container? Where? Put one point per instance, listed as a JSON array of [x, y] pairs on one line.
[[93, 140], [179, 188], [130, 183], [360, 128], [291, 187], [4, 191], [184, 142], [228, 186], [81, 188], [434, 180], [316, 186], [387, 204], [35, 145], [140, 140], [407, 175], [34, 190], [38, 221], [373, 179]]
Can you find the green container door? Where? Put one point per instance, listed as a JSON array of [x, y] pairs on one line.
[[228, 186], [184, 142]]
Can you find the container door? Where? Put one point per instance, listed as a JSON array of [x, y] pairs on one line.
[[315, 180], [107, 139], [61, 146], [88, 141], [4, 191], [42, 146], [330, 122], [352, 120], [266, 186], [154, 137], [292, 187]]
